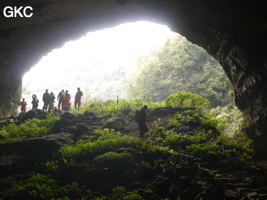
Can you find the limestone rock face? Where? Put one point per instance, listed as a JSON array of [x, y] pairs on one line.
[[231, 31]]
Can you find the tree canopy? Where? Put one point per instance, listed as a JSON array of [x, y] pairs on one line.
[[179, 65]]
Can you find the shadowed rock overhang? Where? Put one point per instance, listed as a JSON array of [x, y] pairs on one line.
[[233, 32]]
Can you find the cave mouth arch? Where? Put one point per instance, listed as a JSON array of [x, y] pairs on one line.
[[83, 62], [232, 32], [115, 50]]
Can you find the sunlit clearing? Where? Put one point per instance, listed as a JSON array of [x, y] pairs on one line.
[[98, 54]]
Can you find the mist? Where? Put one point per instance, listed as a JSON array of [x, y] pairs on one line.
[[98, 63]]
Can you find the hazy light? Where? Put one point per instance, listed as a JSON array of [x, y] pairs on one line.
[[108, 46]]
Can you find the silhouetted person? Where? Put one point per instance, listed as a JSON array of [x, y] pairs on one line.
[[35, 101], [23, 104], [78, 98], [46, 99], [66, 104], [141, 119], [61, 98], [51, 101]]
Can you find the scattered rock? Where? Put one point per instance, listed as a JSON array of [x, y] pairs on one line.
[[67, 116], [40, 114], [60, 125], [181, 176], [117, 123]]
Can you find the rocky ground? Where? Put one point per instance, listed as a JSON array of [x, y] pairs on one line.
[[184, 176]]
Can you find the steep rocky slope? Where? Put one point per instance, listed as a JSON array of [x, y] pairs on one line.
[[134, 169]]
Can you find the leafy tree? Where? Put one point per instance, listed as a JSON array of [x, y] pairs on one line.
[[179, 66], [187, 100]]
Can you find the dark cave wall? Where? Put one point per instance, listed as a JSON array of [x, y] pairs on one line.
[[10, 90], [247, 73], [232, 32]]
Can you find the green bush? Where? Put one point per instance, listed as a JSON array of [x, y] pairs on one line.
[[107, 132], [103, 144], [40, 186], [187, 100], [174, 140], [114, 156], [118, 193], [203, 149], [133, 195], [229, 118], [30, 128], [149, 147], [240, 145], [106, 145]]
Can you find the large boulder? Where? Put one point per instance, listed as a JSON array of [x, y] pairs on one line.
[[22, 156], [116, 122], [40, 114]]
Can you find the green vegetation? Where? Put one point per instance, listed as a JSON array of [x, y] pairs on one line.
[[187, 100], [207, 139], [104, 148], [40, 186], [180, 77], [120, 193], [114, 156], [30, 128], [111, 107], [180, 74], [88, 148], [229, 117], [179, 66], [113, 161], [192, 131]]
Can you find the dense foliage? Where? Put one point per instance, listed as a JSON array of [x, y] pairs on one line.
[[187, 100], [30, 128], [179, 66], [113, 161], [40, 186]]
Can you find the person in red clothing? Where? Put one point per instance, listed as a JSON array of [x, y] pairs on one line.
[[141, 119], [23, 104], [78, 98], [66, 103]]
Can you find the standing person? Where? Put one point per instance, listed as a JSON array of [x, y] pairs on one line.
[[61, 98], [35, 101], [67, 103], [78, 98], [51, 101], [23, 104], [140, 117], [46, 99]]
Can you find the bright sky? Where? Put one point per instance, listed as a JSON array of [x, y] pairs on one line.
[[100, 51], [131, 38]]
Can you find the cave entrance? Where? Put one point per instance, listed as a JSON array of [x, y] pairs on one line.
[[97, 62], [101, 61]]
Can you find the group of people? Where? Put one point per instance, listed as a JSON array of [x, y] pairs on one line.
[[49, 101], [64, 103], [64, 99]]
